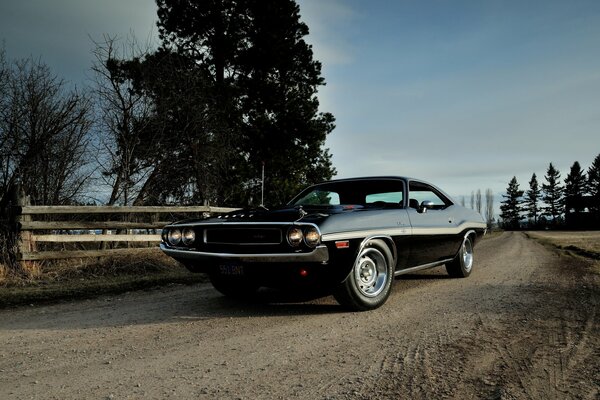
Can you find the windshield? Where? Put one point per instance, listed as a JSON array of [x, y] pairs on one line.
[[362, 192]]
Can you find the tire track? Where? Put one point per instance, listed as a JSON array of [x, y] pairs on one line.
[[523, 325], [552, 342]]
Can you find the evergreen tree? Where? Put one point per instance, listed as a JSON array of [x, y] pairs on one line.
[[594, 184], [532, 198], [263, 80], [552, 194], [575, 188], [511, 206]]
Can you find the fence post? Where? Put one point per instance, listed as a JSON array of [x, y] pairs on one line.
[[6, 232], [23, 240], [12, 227]]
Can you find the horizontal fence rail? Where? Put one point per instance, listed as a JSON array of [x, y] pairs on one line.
[[55, 232], [86, 225], [95, 238], [36, 210]]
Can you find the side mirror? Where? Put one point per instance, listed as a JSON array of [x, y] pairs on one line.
[[426, 205]]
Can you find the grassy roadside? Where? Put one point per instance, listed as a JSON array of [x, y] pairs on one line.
[[493, 233], [584, 244], [91, 278]]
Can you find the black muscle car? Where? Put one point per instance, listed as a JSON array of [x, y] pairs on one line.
[[350, 235]]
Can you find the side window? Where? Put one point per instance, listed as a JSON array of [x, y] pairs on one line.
[[389, 197], [420, 192]]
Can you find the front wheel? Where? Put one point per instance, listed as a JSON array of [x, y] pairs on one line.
[[370, 282], [462, 264]]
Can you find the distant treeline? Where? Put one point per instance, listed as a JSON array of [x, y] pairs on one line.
[[230, 90], [476, 204], [573, 203]]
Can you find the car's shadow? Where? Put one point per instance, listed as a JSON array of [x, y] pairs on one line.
[[419, 277], [424, 275], [166, 305], [191, 303], [280, 302], [275, 302]]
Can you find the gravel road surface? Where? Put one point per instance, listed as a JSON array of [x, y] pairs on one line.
[[524, 325]]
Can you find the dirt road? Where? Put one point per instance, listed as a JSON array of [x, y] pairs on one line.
[[523, 325]]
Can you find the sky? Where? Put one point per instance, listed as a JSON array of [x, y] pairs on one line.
[[464, 94]]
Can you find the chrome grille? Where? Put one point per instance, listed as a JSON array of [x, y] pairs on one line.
[[243, 236]]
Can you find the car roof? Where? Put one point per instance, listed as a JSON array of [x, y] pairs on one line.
[[368, 178], [391, 177]]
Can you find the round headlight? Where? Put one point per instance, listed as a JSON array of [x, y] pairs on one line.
[[174, 237], [312, 237], [188, 236], [294, 236]]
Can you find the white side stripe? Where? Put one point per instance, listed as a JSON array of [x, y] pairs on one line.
[[359, 234]]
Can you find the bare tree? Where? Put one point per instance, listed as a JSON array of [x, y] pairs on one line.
[[44, 133], [489, 207], [4, 133], [472, 200], [124, 114], [478, 201]]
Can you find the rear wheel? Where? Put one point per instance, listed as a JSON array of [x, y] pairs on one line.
[[462, 264], [370, 282], [235, 287]]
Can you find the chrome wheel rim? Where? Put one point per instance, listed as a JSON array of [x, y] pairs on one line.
[[370, 272], [467, 255]]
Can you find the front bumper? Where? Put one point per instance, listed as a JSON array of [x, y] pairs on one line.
[[319, 255]]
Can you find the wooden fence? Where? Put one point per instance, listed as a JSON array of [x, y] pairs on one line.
[[39, 233]]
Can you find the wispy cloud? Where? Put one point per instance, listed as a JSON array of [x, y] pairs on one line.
[[326, 19]]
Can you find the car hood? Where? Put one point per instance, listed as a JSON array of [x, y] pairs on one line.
[[313, 214]]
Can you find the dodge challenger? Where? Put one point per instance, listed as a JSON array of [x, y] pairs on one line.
[[349, 236]]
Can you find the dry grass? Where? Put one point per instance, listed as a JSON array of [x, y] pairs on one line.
[[492, 233], [151, 262], [77, 278], [3, 274], [584, 244]]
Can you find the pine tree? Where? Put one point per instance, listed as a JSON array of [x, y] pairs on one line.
[[575, 188], [552, 194], [511, 206], [532, 198], [264, 81], [593, 184]]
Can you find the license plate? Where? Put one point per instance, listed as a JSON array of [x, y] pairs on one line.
[[231, 269]]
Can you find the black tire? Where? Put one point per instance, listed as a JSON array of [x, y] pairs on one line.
[[462, 265], [370, 282], [234, 287]]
